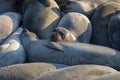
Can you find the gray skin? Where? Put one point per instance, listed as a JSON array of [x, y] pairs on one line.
[[79, 72], [18, 5], [73, 27], [6, 6], [86, 7], [100, 21], [112, 76], [11, 50], [41, 17], [68, 53], [114, 30], [9, 22], [26, 71]]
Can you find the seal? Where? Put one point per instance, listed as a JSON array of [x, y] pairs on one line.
[[79, 72], [11, 50], [73, 27], [6, 6], [9, 22], [114, 30], [68, 53], [86, 7], [41, 17], [25, 71], [100, 21]]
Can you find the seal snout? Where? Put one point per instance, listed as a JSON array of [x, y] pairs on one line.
[[55, 37]]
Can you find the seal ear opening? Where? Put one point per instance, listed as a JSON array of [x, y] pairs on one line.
[[54, 45], [45, 2]]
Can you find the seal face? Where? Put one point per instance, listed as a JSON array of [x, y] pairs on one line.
[[73, 27], [62, 34]]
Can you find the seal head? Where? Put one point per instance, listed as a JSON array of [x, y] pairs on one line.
[[62, 34]]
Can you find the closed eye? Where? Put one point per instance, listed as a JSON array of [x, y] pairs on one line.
[[62, 35]]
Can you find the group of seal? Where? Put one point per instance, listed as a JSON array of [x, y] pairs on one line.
[[41, 32]]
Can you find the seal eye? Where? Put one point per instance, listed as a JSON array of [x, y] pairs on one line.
[[62, 35]]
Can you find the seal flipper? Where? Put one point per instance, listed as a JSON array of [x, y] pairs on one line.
[[54, 45], [45, 2]]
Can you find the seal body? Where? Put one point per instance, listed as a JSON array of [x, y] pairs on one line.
[[68, 53], [41, 17], [79, 72], [6, 6], [86, 7], [73, 27], [11, 50], [114, 30], [100, 21], [26, 71], [18, 5], [9, 22]]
